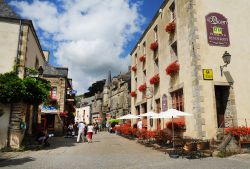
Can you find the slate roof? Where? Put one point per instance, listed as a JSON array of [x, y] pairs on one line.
[[49, 70], [6, 11]]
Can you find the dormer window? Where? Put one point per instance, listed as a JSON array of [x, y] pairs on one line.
[[172, 11]]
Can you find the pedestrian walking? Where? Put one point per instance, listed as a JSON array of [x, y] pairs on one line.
[[90, 132], [81, 127], [96, 127]]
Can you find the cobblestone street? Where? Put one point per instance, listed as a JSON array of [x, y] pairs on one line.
[[109, 151]]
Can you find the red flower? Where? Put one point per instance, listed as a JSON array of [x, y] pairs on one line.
[[178, 126], [170, 28], [134, 68], [172, 68], [155, 79], [133, 94], [142, 87], [142, 58], [154, 46]]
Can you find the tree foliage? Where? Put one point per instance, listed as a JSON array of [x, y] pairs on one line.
[[37, 90], [12, 88], [30, 90]]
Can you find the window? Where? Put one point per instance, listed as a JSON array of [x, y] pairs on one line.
[[36, 64], [156, 33], [178, 100], [144, 48], [53, 93], [136, 58], [172, 11], [173, 51], [144, 75]]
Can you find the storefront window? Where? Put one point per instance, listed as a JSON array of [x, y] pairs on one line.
[[178, 100]]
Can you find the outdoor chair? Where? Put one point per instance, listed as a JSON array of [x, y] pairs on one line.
[[189, 150], [204, 147]]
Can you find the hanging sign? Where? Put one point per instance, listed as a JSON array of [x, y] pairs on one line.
[[207, 74], [217, 30]]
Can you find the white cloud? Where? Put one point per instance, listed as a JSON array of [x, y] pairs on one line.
[[90, 34]]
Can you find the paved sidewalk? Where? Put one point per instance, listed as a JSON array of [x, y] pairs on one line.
[[109, 151]]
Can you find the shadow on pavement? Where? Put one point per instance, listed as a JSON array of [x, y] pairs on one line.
[[55, 142], [17, 161]]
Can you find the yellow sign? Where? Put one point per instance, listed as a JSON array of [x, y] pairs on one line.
[[207, 74]]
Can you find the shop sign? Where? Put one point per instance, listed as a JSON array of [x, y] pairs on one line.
[[207, 74], [217, 30]]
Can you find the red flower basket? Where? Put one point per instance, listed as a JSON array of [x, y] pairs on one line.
[[170, 28], [172, 68], [178, 126], [155, 79], [133, 94], [133, 68], [154, 46], [142, 87], [142, 58]]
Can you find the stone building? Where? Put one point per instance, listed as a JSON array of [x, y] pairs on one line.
[[177, 63], [61, 107], [116, 95], [19, 49]]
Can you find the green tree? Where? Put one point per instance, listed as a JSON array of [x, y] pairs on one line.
[[37, 90], [12, 88]]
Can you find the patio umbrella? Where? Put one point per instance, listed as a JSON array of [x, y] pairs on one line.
[[173, 113], [128, 116], [149, 114]]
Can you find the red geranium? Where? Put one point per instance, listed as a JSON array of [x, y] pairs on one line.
[[238, 131], [155, 79], [142, 58], [172, 68], [142, 87], [134, 68], [170, 28], [133, 94], [178, 126], [154, 46]]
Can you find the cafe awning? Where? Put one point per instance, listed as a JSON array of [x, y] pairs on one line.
[[47, 109]]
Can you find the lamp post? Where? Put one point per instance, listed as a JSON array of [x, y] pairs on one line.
[[226, 58]]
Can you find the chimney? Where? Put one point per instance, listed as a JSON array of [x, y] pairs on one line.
[[46, 55]]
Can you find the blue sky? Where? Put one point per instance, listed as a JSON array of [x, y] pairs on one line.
[[90, 37]]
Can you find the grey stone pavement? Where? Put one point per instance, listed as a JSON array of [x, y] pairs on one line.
[[109, 151]]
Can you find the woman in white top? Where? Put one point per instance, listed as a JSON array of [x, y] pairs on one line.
[[90, 132]]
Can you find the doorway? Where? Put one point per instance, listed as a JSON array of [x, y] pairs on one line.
[[221, 97], [158, 110]]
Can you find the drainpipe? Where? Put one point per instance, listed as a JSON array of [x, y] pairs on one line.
[[18, 46], [16, 70]]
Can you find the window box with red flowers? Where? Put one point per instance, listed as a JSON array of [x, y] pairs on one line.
[[133, 68], [155, 79], [142, 58], [154, 46], [170, 28], [142, 87], [132, 93], [173, 68]]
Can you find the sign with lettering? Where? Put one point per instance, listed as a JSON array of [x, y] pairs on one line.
[[207, 74], [217, 30]]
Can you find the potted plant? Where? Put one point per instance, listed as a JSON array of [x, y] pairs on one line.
[[133, 68], [155, 79], [142, 87], [173, 68], [142, 58], [132, 93], [170, 28], [154, 46]]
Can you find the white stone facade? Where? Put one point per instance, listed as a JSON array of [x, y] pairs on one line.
[[193, 55]]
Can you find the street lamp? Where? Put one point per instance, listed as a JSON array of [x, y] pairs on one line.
[[226, 58]]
